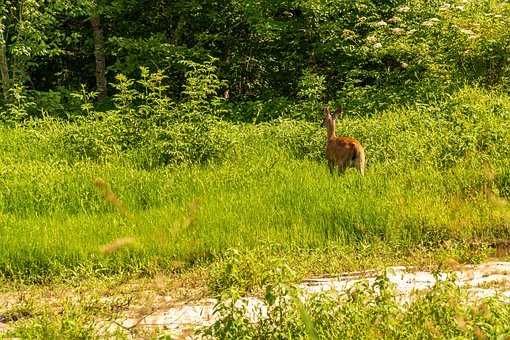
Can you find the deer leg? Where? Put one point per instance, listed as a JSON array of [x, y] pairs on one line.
[[341, 168], [361, 170], [331, 165], [359, 163], [359, 160]]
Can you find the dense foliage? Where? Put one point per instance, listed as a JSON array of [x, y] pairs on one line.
[[365, 55]]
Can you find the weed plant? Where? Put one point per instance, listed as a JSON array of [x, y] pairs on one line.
[[364, 312]]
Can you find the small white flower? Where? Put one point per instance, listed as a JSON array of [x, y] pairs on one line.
[[404, 65], [394, 20], [348, 34], [381, 23], [466, 31], [403, 9], [378, 45], [372, 39], [428, 23], [411, 32], [397, 30], [460, 7], [362, 19], [431, 22]]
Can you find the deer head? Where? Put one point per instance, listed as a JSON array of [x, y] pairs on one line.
[[328, 117]]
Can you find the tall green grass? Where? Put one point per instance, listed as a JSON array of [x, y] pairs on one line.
[[434, 178]]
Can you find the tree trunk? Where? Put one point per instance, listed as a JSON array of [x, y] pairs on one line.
[[4, 69], [100, 57]]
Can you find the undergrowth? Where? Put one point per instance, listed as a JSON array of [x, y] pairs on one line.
[[364, 312]]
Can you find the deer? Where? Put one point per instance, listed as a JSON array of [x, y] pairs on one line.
[[341, 152]]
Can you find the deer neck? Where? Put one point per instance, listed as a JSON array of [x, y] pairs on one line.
[[331, 130]]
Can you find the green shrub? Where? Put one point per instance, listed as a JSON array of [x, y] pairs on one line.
[[364, 312], [186, 142]]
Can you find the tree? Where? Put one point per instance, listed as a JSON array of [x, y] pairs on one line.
[[99, 54], [95, 10], [27, 32], [4, 67]]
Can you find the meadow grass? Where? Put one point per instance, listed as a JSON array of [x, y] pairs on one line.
[[435, 183]]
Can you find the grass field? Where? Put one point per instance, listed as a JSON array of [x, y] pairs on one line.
[[435, 190], [434, 184]]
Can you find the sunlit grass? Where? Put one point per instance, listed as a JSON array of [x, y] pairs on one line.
[[435, 183], [194, 213]]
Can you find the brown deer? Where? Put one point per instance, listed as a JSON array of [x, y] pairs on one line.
[[342, 152]]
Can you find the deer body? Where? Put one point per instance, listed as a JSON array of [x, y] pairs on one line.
[[342, 152]]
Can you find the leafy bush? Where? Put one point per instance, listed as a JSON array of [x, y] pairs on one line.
[[150, 126], [244, 271], [89, 138], [185, 142], [364, 312]]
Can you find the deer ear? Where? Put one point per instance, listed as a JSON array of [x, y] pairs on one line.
[[339, 111], [326, 110]]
